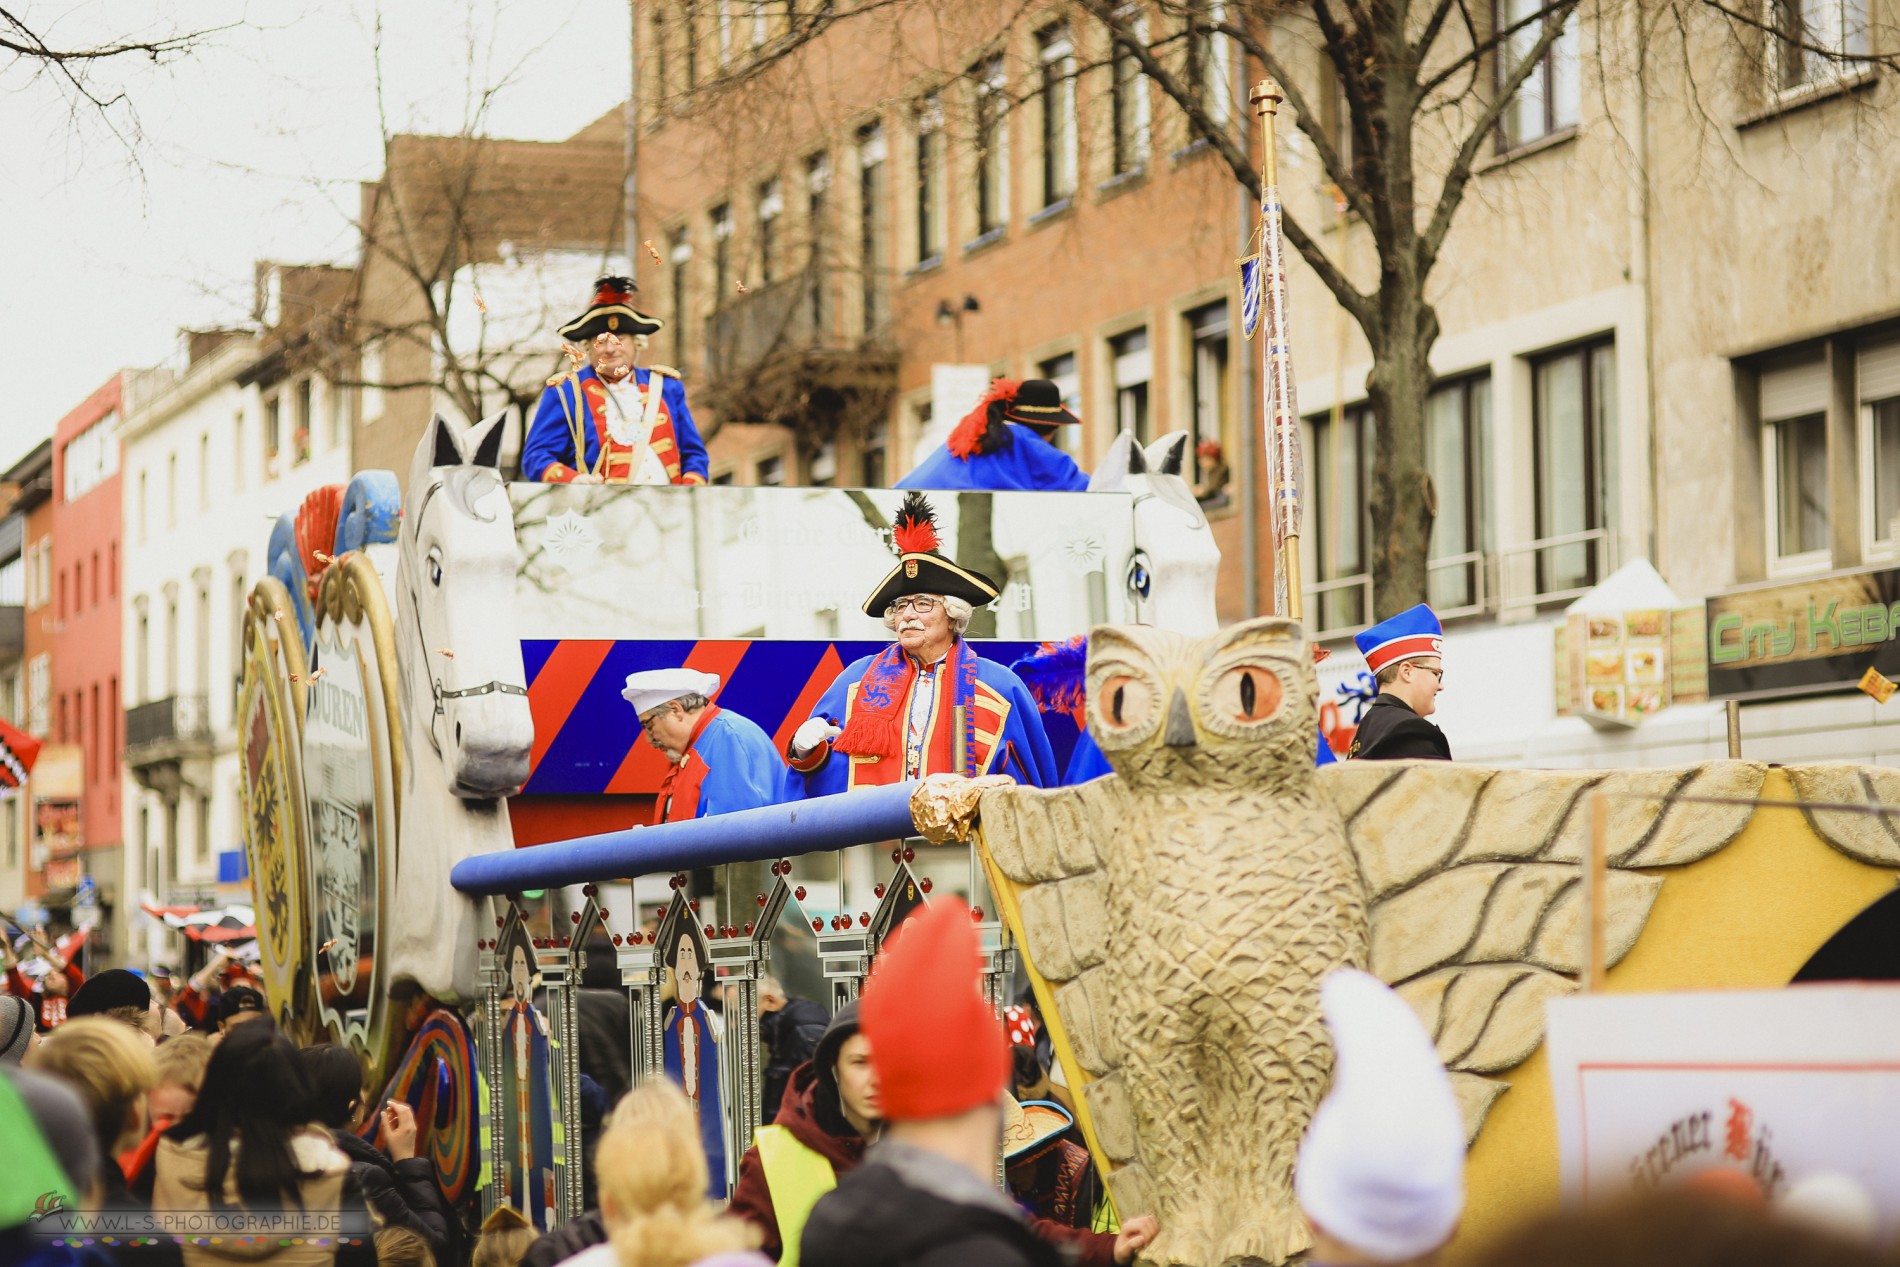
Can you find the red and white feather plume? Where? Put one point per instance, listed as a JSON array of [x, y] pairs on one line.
[[914, 530]]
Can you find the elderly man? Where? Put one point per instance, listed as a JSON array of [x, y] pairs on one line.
[[896, 715], [611, 423], [717, 761], [1403, 655]]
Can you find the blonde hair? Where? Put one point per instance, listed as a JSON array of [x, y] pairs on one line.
[[652, 1175], [506, 1236], [108, 1063], [958, 610], [400, 1247], [181, 1061]]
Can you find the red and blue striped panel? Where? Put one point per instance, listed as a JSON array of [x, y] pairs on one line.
[[587, 741]]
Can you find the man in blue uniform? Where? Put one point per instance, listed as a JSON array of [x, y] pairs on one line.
[[1006, 442], [895, 715], [609, 422], [718, 761], [1403, 655]]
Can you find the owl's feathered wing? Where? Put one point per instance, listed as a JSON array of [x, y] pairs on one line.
[[1475, 883]]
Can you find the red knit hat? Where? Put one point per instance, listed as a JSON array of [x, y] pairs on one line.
[[936, 1044]]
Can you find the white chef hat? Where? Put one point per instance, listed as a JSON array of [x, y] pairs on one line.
[[1382, 1167], [650, 688]]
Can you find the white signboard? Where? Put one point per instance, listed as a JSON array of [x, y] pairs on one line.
[[954, 391], [1783, 1084]]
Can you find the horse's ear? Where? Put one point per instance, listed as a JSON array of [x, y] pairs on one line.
[[1137, 459], [1167, 455], [1111, 473], [484, 440], [445, 448]]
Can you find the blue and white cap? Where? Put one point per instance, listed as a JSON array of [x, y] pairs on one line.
[[1411, 635]]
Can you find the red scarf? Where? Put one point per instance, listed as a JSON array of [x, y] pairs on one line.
[[879, 714], [671, 782]]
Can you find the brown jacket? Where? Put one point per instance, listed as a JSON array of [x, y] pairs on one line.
[[178, 1196]]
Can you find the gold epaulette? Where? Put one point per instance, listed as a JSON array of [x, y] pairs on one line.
[[665, 370]]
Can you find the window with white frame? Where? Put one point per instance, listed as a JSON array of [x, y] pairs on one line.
[[679, 256], [1815, 41], [871, 224], [370, 394], [1573, 408], [1132, 364], [722, 252], [771, 206], [724, 12], [1879, 374], [1056, 54], [761, 24], [1457, 414], [1128, 105], [930, 181], [1208, 394], [770, 472], [1217, 96], [823, 472], [992, 146], [39, 694], [817, 225], [1550, 99], [874, 455], [1338, 451], [1061, 370], [1794, 395], [91, 457]]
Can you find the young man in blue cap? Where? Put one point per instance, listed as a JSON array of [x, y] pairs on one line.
[[1403, 655]]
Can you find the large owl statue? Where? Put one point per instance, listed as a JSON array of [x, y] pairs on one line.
[[1179, 915]]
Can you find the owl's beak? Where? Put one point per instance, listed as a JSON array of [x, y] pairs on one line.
[[1180, 732]]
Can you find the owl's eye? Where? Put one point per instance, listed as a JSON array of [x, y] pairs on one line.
[[1123, 704], [1246, 694]]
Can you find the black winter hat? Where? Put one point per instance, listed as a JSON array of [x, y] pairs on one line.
[[115, 987]]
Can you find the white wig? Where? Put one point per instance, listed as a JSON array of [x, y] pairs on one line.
[[958, 610]]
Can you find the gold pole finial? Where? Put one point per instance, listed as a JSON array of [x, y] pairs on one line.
[[1266, 97]]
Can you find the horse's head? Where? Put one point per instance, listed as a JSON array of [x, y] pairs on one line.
[[455, 583], [1172, 573]]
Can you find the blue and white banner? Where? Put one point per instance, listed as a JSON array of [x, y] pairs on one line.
[[1249, 295]]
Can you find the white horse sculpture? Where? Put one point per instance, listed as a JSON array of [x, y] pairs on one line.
[[1172, 574], [466, 728]]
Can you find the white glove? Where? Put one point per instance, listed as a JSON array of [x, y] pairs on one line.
[[814, 732]]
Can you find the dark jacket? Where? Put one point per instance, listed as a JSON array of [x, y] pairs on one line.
[[907, 1208], [565, 1241], [403, 1193], [791, 1034], [1392, 731]]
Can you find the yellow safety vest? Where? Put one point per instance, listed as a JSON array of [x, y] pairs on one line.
[[797, 1176]]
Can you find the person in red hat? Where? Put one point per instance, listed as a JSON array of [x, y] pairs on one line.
[[610, 422], [926, 1195], [1007, 442]]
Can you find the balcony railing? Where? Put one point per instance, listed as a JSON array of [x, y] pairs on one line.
[[1554, 569], [177, 721]]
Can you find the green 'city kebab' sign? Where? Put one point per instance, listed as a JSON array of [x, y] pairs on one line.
[[1815, 634]]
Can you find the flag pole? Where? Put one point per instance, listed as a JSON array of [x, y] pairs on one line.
[[1281, 413]]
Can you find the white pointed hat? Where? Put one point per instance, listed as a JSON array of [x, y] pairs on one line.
[[1382, 1168], [650, 688]]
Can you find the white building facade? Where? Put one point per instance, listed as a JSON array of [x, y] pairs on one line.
[[214, 453]]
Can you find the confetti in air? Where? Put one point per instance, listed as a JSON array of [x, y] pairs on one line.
[[445, 653], [653, 252], [481, 305], [741, 287]]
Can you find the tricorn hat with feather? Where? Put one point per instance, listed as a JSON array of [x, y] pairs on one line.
[[922, 567], [612, 311]]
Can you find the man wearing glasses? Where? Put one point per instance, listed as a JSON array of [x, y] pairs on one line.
[[716, 760], [610, 422], [1403, 655], [927, 704]]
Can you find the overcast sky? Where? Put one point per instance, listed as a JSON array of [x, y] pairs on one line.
[[248, 148]]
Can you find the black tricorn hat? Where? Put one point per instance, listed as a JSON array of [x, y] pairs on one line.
[[921, 566], [1039, 403], [612, 311]]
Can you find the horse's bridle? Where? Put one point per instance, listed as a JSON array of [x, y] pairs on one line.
[[495, 687]]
